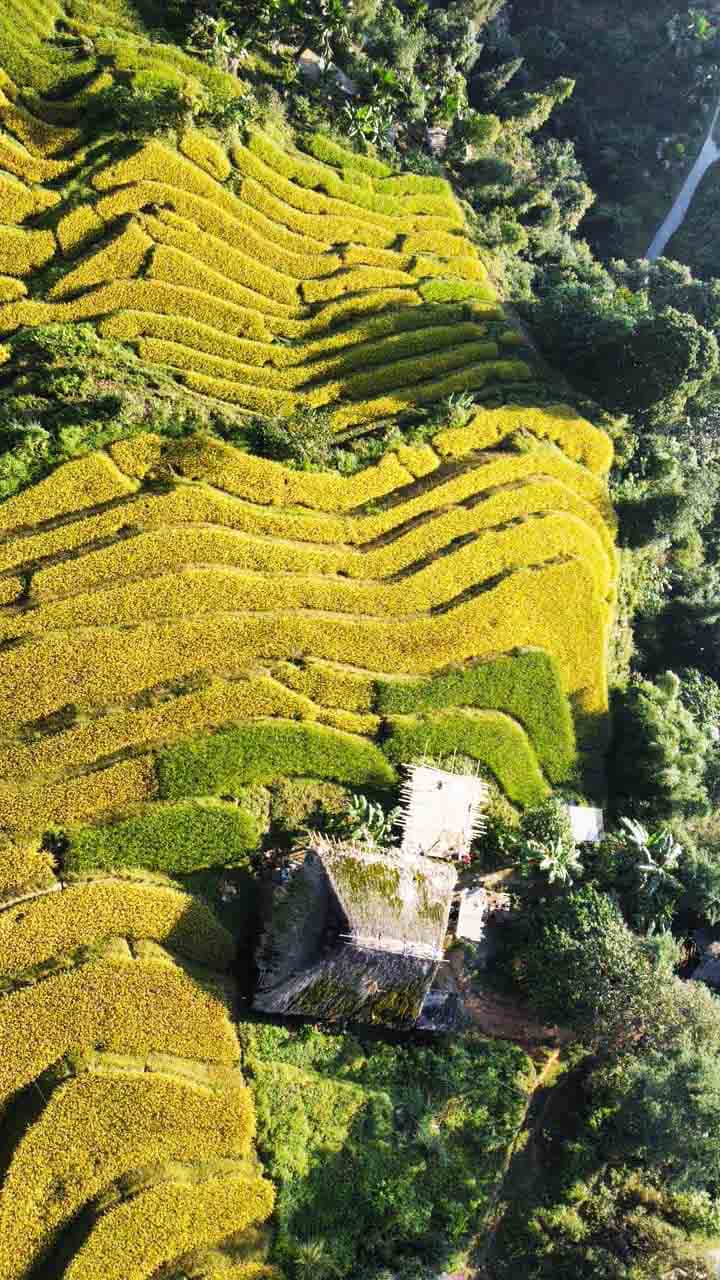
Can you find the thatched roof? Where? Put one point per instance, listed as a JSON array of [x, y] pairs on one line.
[[394, 901], [377, 950]]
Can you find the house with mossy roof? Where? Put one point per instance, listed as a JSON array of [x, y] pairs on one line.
[[356, 933]]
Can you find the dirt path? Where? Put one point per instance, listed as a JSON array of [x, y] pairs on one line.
[[502, 1017]]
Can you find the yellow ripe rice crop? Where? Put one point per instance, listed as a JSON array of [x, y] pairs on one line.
[[88, 482], [336, 313], [17, 160], [300, 198], [363, 255], [22, 252], [339, 229], [466, 268], [337, 199], [166, 722], [564, 426], [130, 1241], [290, 257], [281, 403], [10, 589], [121, 259], [395, 201], [18, 202], [442, 353], [369, 342], [86, 912], [214, 219], [357, 280], [130, 1006], [330, 686], [469, 378], [155, 162], [264, 481], [39, 137], [365, 335], [138, 455], [39, 805], [158, 351], [528, 608], [219, 256], [10, 290], [158, 551], [435, 242], [332, 153], [206, 153], [24, 868], [181, 505], [126, 325], [93, 1129], [179, 268], [194, 591], [78, 228], [137, 295]]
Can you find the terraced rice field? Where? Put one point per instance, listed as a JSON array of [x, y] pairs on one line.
[[180, 620]]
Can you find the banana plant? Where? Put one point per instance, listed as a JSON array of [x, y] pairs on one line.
[[657, 855]]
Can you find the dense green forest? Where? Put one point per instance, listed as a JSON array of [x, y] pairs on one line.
[[344, 423]]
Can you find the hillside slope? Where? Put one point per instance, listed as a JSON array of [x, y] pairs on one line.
[[183, 622]]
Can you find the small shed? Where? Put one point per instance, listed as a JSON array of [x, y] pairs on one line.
[[442, 811], [356, 933], [586, 823], [472, 916]]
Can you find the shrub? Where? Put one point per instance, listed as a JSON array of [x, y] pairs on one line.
[[657, 762], [670, 1114], [334, 1112], [583, 968], [658, 367], [546, 843], [305, 437], [175, 838]]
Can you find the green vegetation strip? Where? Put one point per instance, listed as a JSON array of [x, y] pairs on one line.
[[337, 1117], [489, 737], [525, 685], [175, 838], [263, 751]]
